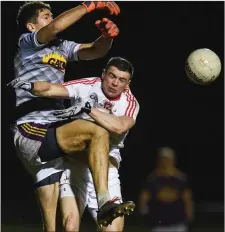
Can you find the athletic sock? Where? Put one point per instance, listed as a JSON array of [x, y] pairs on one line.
[[102, 199]]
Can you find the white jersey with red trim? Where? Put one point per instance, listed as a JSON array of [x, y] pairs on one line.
[[126, 105]]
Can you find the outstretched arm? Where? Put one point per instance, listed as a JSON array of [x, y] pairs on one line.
[[60, 23], [67, 18], [41, 88], [100, 46], [50, 90]]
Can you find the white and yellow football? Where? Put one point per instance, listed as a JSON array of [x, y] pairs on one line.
[[203, 66]]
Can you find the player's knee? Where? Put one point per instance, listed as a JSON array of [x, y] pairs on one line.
[[100, 132], [70, 223]]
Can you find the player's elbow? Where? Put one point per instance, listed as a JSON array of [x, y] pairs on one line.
[[40, 93], [122, 127], [118, 130], [102, 53], [99, 51]]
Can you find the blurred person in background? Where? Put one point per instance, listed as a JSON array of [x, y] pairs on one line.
[[166, 199]]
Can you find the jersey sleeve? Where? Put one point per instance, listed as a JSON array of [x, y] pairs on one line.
[[71, 50], [77, 87], [131, 106], [29, 41]]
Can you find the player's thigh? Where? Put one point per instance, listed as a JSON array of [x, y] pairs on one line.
[[47, 191], [73, 136]]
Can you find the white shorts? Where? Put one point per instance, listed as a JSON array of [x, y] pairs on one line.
[[77, 181]]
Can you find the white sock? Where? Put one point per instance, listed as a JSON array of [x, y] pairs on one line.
[[102, 199]]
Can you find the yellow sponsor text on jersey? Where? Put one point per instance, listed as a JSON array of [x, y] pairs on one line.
[[55, 60]]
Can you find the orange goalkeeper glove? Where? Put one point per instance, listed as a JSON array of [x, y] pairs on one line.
[[108, 28], [100, 5]]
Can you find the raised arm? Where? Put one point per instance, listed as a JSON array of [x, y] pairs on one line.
[[66, 19], [60, 23], [100, 46]]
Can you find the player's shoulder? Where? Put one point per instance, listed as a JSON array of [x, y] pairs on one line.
[[129, 97], [181, 175], [25, 37], [87, 81]]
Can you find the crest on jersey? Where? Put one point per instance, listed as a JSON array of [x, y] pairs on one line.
[[94, 97], [55, 60], [108, 105]]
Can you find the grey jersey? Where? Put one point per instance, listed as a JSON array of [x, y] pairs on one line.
[[41, 62]]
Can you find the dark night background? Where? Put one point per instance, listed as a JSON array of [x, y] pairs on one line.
[[157, 38]]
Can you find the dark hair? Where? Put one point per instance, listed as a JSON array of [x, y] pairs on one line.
[[122, 64], [29, 12]]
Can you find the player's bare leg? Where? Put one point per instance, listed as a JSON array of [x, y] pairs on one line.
[[70, 214], [47, 197], [75, 136], [68, 205], [116, 226]]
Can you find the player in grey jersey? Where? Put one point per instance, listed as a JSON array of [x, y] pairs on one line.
[[41, 56]]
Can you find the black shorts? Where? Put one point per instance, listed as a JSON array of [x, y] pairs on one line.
[[49, 148], [52, 179]]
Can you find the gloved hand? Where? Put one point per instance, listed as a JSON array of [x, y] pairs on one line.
[[78, 108], [108, 28], [25, 85], [73, 110], [100, 5]]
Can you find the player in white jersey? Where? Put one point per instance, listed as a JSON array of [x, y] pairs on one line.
[[107, 102], [41, 56]]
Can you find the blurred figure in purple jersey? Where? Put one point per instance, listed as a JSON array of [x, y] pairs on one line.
[[166, 199]]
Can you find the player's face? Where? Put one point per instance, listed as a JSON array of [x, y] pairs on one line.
[[44, 18], [114, 82], [167, 160]]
